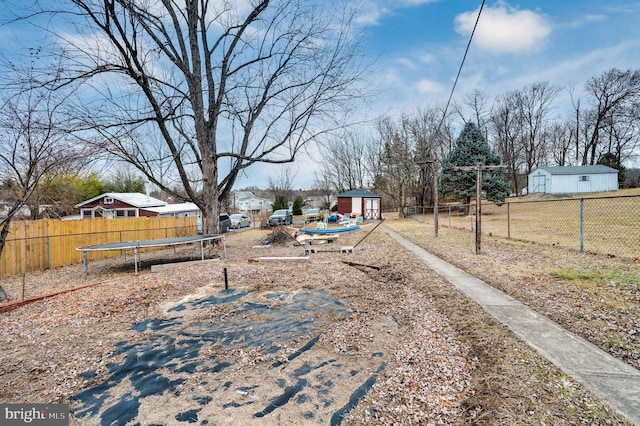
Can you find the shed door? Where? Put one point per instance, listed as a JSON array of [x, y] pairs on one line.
[[356, 205], [540, 183], [371, 208]]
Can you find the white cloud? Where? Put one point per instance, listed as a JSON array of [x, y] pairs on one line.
[[409, 3], [576, 69], [428, 58], [369, 16], [587, 20], [504, 29], [406, 63], [429, 86]]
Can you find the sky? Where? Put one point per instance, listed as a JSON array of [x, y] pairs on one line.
[[422, 42], [419, 45], [416, 49]]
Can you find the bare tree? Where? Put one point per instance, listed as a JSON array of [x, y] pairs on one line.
[[520, 122], [612, 98], [282, 184], [431, 138], [480, 107], [621, 138], [508, 132], [344, 161], [225, 85], [560, 142], [398, 176], [323, 187], [35, 144], [535, 102]]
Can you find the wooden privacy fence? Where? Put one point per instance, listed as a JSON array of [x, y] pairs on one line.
[[51, 243]]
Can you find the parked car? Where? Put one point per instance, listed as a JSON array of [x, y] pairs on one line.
[[280, 217], [239, 220], [225, 223], [313, 215]]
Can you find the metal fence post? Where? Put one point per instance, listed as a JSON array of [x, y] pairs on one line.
[[581, 225]]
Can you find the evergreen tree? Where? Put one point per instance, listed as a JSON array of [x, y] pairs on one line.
[[280, 202], [298, 202], [471, 148]]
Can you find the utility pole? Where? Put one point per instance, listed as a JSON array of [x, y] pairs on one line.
[[478, 168], [435, 189]]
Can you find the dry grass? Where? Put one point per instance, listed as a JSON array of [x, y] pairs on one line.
[[597, 297], [610, 224]]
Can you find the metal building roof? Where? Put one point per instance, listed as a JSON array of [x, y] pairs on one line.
[[577, 170]]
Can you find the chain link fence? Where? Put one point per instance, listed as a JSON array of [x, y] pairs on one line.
[[602, 225]]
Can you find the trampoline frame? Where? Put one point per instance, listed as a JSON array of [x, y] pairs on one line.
[[136, 245]]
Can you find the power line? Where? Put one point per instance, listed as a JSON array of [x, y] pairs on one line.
[[444, 114]]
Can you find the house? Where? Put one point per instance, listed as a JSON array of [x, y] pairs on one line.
[[573, 179], [131, 204], [246, 201], [360, 202]]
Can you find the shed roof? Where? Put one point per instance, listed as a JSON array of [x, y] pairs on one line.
[[578, 170], [244, 195], [135, 199], [359, 193]]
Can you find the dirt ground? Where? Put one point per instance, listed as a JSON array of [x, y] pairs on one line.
[[369, 337]]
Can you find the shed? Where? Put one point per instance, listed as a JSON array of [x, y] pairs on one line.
[[573, 179], [360, 202]]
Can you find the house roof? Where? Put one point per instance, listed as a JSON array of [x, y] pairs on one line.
[[132, 198], [359, 193], [578, 170], [174, 208], [244, 195]]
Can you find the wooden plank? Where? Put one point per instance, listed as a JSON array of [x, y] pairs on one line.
[[280, 259]]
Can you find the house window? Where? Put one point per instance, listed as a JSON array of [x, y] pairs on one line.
[[125, 213], [584, 178], [108, 200]]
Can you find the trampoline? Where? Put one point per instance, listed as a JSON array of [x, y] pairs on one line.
[[136, 245]]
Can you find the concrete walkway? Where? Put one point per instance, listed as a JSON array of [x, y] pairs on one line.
[[613, 381]]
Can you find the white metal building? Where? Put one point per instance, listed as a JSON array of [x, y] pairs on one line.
[[573, 179]]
